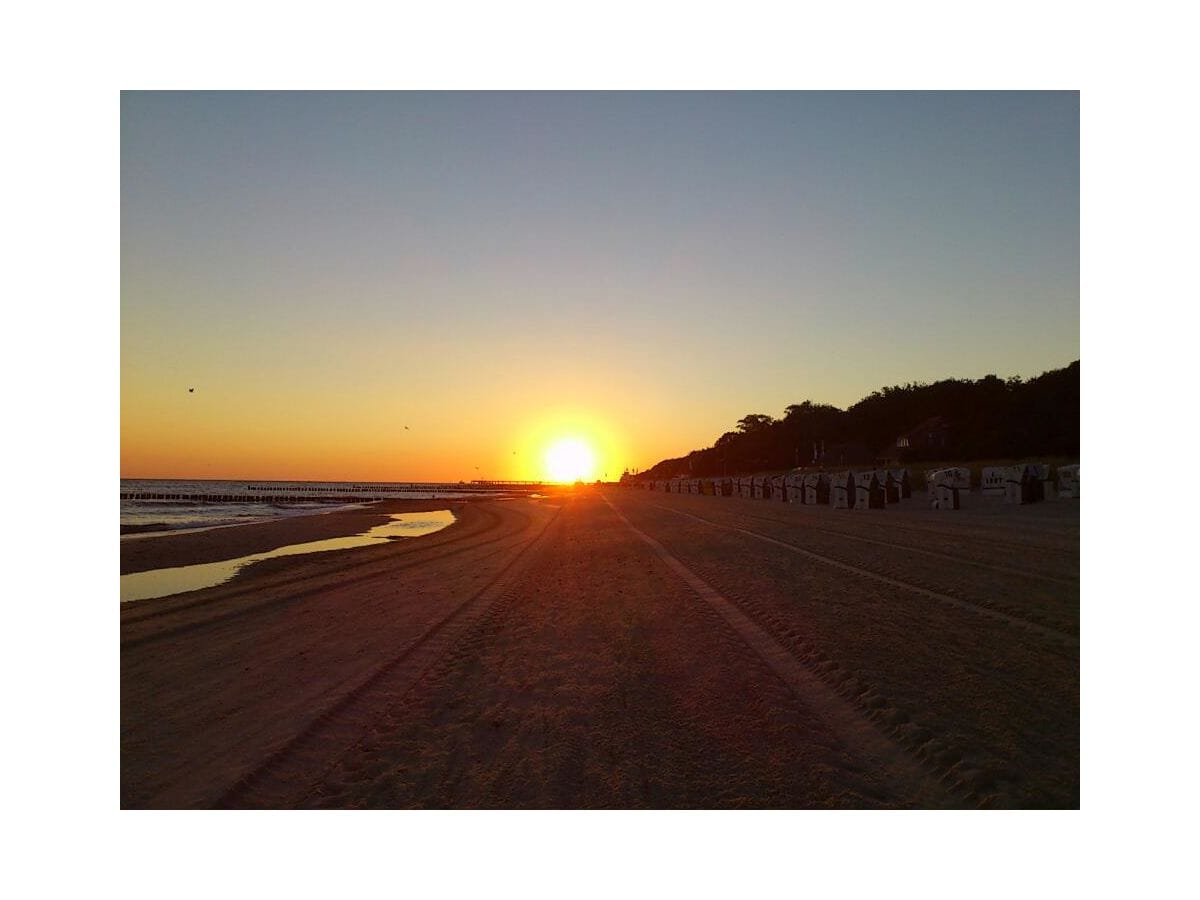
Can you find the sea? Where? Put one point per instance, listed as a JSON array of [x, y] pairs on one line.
[[171, 505]]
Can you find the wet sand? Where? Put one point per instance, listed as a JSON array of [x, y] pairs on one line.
[[616, 648], [228, 542]]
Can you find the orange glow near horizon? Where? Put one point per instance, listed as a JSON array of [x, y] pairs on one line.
[[227, 432]]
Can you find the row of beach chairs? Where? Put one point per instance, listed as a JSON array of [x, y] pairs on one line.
[[873, 489], [1030, 482], [879, 488]]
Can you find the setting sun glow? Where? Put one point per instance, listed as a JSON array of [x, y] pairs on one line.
[[570, 459]]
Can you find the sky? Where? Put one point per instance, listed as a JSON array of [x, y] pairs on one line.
[[444, 286]]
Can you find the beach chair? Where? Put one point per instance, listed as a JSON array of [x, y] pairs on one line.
[[944, 492], [885, 479], [817, 489], [931, 487], [1018, 485], [808, 487], [1043, 484], [794, 485], [992, 481], [958, 476], [1068, 482], [779, 489], [893, 490], [949, 495], [868, 493], [841, 490]]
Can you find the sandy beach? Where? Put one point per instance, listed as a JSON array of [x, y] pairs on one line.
[[615, 648]]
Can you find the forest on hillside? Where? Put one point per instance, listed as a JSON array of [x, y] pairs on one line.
[[954, 419]]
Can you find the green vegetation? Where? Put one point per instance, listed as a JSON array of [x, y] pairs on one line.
[[962, 420]]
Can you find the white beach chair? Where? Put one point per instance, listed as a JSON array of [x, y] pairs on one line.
[[1017, 486], [1068, 482], [949, 495], [958, 476], [944, 492], [841, 490], [779, 489], [931, 483], [992, 481], [817, 489], [794, 484], [868, 493]]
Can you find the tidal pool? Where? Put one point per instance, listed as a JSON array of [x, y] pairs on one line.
[[164, 582]]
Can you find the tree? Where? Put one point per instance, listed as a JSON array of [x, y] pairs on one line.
[[988, 418], [755, 422]]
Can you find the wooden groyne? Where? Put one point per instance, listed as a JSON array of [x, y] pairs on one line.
[[333, 493], [245, 498]]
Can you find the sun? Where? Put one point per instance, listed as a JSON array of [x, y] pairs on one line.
[[570, 459]]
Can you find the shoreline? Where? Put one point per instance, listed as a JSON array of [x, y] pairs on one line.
[[186, 547], [161, 529]]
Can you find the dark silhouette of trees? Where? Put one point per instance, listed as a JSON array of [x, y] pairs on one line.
[[991, 418]]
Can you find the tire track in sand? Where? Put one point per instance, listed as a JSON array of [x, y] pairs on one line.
[[991, 532], [909, 778], [290, 772], [213, 611], [909, 548], [979, 609], [1029, 596]]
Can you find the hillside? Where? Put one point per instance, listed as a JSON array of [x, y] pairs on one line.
[[959, 419]]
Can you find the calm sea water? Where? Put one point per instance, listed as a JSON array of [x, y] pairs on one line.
[[204, 509], [177, 580]]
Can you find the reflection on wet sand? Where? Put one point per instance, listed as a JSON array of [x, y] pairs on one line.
[[164, 582]]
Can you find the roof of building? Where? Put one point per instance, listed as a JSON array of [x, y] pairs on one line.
[[932, 424]]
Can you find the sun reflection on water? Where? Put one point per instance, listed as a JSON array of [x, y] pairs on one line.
[[177, 580]]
